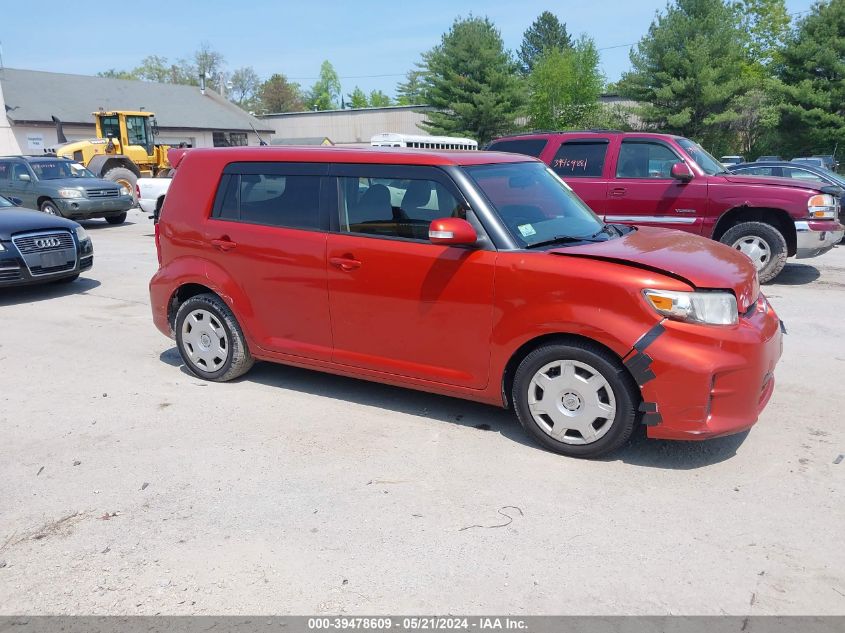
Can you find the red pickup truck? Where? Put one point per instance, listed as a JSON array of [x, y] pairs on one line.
[[670, 181]]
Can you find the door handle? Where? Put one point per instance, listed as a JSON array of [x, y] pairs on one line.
[[617, 192], [346, 264], [223, 244]]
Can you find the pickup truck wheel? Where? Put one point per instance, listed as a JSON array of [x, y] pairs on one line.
[[49, 207], [116, 219], [764, 245], [575, 399], [210, 340]]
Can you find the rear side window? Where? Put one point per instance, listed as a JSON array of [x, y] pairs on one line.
[[530, 146], [279, 195], [5, 171], [580, 159]]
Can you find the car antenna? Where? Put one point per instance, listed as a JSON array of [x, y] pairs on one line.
[[261, 141]]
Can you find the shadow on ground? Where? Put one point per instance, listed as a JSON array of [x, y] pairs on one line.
[[795, 275], [640, 451], [16, 295]]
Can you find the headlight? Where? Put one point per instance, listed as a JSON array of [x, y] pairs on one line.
[[124, 191], [2, 248], [712, 308], [70, 193], [81, 234], [822, 206]]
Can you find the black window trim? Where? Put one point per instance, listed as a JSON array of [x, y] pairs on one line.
[[645, 141]]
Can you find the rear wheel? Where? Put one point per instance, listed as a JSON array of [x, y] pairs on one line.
[[117, 219], [49, 207], [575, 399], [764, 245], [123, 176], [210, 339]]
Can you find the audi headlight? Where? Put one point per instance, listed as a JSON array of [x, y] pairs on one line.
[[712, 308], [70, 193], [822, 206], [81, 234]]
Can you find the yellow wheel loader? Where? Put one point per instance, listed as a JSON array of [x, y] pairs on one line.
[[124, 149]]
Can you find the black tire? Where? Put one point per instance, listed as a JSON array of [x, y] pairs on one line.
[[124, 176], [51, 208], [624, 389], [238, 359], [116, 219], [774, 239], [67, 280]]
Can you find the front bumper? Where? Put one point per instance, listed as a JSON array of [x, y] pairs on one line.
[[711, 381], [816, 237], [83, 208], [15, 272]]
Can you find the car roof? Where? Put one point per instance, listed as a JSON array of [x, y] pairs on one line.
[[35, 158], [549, 133], [372, 155], [775, 163]]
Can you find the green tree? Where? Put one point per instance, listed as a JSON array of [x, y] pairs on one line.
[[153, 68], [357, 98], [325, 93], [688, 70], [378, 99], [565, 86], [410, 91], [245, 83], [472, 82], [766, 25], [208, 61], [277, 94], [813, 73], [114, 73], [544, 34]]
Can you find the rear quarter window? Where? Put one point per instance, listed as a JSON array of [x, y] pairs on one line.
[[529, 147]]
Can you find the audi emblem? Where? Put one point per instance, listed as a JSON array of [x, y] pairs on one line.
[[47, 242]]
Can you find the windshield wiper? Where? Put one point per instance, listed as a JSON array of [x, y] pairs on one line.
[[608, 229], [564, 239]]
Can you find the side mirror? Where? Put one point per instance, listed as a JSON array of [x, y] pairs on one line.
[[24, 177], [451, 232], [15, 201], [682, 172]]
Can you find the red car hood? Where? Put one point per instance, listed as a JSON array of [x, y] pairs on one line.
[[700, 262], [774, 181]]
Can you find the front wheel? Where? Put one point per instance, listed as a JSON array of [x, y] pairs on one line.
[[764, 245], [575, 399], [117, 219], [210, 339], [49, 207]]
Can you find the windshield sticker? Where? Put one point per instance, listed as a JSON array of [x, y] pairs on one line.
[[527, 230]]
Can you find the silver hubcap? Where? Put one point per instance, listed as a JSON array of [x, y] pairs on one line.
[[756, 249], [49, 210], [204, 340], [572, 402]]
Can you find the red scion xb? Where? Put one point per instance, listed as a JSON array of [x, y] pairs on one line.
[[478, 275]]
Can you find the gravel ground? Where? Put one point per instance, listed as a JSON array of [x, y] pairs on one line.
[[128, 486]]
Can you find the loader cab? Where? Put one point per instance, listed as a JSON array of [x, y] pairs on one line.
[[127, 128]]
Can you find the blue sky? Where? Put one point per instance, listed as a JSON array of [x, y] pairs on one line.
[[370, 43]]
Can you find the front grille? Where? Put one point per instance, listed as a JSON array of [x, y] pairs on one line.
[[10, 273], [39, 270], [43, 242], [102, 193]]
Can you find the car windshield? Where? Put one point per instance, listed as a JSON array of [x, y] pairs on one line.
[[535, 204], [5, 203], [54, 170], [702, 157]]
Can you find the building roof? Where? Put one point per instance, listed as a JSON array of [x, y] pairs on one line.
[[306, 140], [34, 96], [347, 111]]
